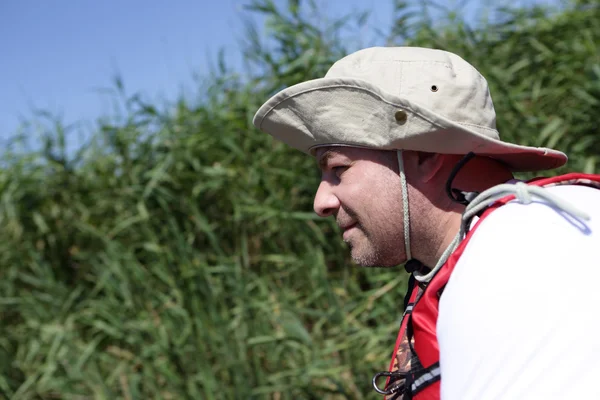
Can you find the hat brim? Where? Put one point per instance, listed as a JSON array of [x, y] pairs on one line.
[[353, 112]]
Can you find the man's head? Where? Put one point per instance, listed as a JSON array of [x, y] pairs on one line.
[[429, 105]]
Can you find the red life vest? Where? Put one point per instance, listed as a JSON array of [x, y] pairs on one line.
[[414, 371]]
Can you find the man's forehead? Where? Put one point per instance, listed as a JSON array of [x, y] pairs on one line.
[[347, 151], [330, 151]]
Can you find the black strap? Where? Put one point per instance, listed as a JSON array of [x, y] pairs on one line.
[[397, 387], [419, 377], [458, 195], [400, 383], [411, 287], [424, 378]]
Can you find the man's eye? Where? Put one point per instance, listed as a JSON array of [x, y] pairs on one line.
[[338, 171]]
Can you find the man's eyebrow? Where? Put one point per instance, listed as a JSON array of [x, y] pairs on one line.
[[324, 159]]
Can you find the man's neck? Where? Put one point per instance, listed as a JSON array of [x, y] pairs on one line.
[[443, 216], [445, 232]]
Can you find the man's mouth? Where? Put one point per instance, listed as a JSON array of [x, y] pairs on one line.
[[347, 229], [347, 226]]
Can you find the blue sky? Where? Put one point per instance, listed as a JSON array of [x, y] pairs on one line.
[[55, 55]]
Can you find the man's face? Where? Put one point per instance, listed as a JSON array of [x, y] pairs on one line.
[[361, 189]]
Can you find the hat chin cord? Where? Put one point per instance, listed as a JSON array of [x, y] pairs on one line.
[[404, 205], [412, 265]]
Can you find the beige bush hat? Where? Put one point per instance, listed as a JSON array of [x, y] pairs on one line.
[[398, 98]]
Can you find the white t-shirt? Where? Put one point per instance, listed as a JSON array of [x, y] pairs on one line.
[[520, 315]]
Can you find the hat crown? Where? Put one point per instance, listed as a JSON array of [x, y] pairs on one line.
[[439, 80]]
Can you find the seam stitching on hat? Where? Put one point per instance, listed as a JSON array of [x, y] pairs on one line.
[[477, 126], [459, 68], [447, 64], [346, 86], [385, 101]]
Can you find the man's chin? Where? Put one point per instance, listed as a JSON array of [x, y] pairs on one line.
[[370, 259], [365, 254]]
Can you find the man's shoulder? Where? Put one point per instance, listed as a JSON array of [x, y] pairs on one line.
[[541, 214], [507, 310], [540, 227]]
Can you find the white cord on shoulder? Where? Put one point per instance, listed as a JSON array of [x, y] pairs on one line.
[[524, 194], [404, 204]]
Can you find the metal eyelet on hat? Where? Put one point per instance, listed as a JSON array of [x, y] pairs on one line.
[[401, 116], [434, 88]]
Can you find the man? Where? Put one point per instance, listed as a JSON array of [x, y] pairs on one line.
[[414, 172]]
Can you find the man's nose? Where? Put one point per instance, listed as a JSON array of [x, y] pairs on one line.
[[326, 203]]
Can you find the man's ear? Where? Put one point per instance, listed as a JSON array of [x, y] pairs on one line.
[[429, 164]]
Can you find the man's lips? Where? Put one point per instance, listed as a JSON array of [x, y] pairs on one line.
[[346, 229]]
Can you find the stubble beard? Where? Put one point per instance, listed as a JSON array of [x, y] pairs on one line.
[[366, 253], [372, 249]]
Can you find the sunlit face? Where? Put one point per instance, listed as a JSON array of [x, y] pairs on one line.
[[361, 189]]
